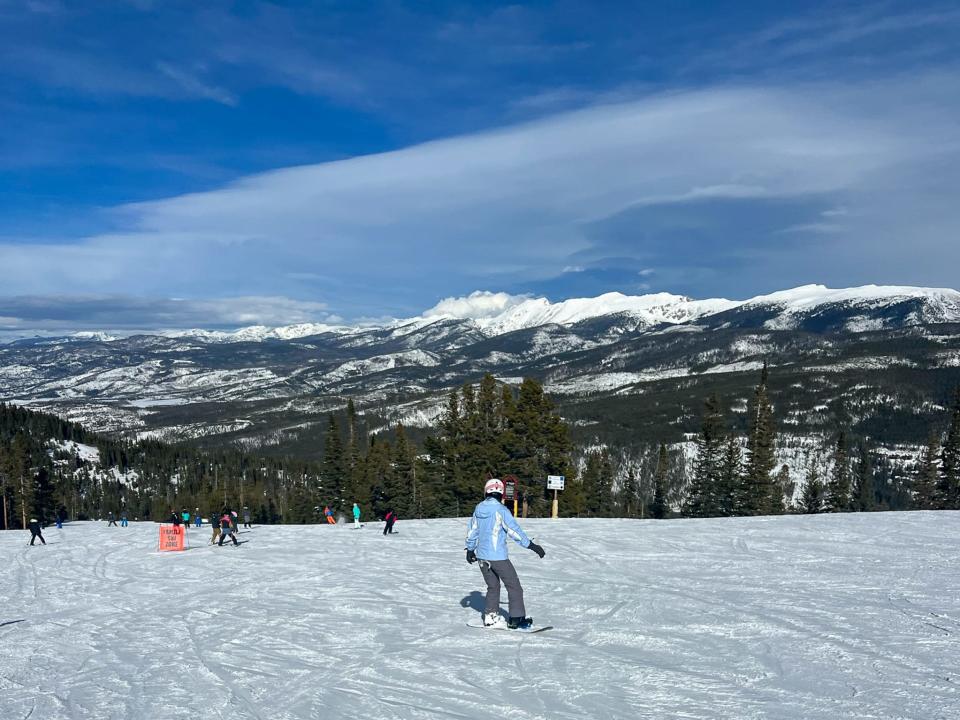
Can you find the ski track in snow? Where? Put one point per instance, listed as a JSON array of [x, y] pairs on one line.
[[848, 616]]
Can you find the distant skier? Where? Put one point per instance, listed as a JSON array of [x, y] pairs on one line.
[[234, 521], [227, 528], [197, 517], [356, 516], [389, 519], [34, 527], [215, 524], [59, 522], [123, 519], [487, 534], [246, 517], [175, 518], [328, 513], [61, 516], [112, 518], [185, 516]]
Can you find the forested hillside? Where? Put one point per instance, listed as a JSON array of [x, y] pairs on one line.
[[487, 429]]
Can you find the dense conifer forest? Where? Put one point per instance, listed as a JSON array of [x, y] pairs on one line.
[[488, 429]]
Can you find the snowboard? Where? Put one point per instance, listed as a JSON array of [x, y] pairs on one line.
[[528, 631]]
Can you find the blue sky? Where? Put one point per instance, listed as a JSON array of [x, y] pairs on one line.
[[167, 164]]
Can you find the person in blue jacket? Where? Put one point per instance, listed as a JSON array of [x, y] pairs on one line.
[[492, 523]]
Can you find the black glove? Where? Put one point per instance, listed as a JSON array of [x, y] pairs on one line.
[[471, 557], [537, 549]]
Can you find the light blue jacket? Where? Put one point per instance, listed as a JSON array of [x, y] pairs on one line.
[[489, 528], [356, 511]]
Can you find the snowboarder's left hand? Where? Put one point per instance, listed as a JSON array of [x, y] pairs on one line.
[[537, 549], [471, 557]]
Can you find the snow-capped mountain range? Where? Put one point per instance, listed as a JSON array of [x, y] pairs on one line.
[[938, 305], [867, 352]]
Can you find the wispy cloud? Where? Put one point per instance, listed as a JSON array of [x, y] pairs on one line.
[[125, 312], [687, 183]]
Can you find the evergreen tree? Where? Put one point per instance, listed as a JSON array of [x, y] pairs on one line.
[[838, 489], [399, 490], [759, 494], [702, 495], [928, 472], [630, 500], [811, 500], [730, 474], [331, 474], [948, 488], [658, 508], [866, 500]]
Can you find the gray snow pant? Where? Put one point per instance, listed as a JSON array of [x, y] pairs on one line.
[[495, 571]]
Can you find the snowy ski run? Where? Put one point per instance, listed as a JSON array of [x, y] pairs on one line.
[[828, 616]]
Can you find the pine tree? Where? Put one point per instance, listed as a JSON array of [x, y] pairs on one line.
[[630, 502], [332, 475], [948, 488], [866, 487], [838, 489], [758, 492], [730, 475], [811, 500], [597, 483], [702, 500], [658, 508], [927, 475]]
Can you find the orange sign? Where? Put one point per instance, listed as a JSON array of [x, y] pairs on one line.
[[171, 538]]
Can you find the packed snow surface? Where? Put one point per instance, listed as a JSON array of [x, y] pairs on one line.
[[840, 616]]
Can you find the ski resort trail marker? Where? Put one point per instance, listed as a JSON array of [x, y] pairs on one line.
[[171, 538]]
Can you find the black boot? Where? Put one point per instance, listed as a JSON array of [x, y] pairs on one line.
[[519, 623]]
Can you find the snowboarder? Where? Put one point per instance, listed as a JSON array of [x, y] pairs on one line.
[[246, 517], [227, 528], [356, 516], [487, 534], [34, 527], [123, 519], [175, 518], [197, 517], [185, 516], [389, 519], [328, 513], [234, 521], [112, 518]]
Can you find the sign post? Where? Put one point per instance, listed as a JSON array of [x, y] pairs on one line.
[[171, 538], [555, 483], [510, 491]]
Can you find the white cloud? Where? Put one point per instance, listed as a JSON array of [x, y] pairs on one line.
[[478, 304], [377, 234]]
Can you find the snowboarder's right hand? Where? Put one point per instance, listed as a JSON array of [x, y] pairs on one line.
[[537, 549], [471, 557]]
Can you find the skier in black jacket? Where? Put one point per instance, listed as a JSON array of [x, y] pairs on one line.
[[35, 533]]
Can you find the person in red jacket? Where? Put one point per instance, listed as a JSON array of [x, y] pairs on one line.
[[227, 528], [390, 518]]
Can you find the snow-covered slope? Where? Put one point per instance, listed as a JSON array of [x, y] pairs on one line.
[[822, 617], [651, 309]]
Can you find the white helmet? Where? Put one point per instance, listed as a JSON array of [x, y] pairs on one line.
[[494, 485]]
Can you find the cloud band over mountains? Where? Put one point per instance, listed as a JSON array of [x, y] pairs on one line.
[[726, 191]]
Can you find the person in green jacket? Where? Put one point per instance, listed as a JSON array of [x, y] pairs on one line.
[[356, 516]]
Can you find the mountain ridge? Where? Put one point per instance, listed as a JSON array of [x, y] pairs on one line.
[[649, 310]]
